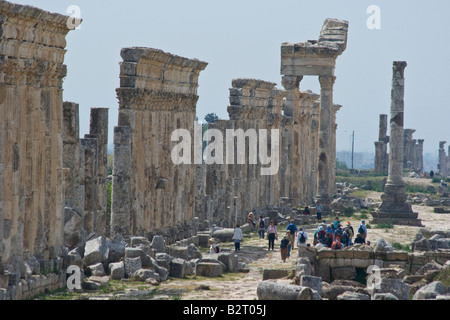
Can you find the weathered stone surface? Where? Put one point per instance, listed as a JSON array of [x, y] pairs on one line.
[[144, 274], [430, 291], [95, 251], [395, 286], [97, 270], [179, 252], [353, 296], [158, 243], [230, 260], [178, 268], [274, 274], [132, 265], [117, 270], [332, 292], [384, 296], [269, 290], [208, 269], [138, 252], [312, 282]]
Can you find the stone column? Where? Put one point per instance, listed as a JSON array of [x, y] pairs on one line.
[[325, 141], [381, 156], [394, 208], [419, 159], [442, 165]]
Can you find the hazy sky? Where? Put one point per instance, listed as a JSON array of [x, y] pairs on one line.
[[242, 39]]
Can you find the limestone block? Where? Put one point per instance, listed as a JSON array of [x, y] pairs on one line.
[[230, 260], [395, 286], [326, 253], [97, 270], [345, 254], [117, 270], [312, 282], [132, 265], [430, 291], [353, 296], [208, 269], [268, 290], [179, 252], [95, 251], [343, 273], [178, 268], [274, 274]]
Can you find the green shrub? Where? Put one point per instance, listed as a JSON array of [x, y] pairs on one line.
[[384, 226]]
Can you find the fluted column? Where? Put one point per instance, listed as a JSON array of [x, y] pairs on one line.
[[325, 141]]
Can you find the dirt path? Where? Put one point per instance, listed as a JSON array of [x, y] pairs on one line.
[[242, 286]]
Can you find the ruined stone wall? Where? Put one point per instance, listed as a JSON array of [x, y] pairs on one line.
[[31, 111], [234, 189], [413, 151], [85, 178], [157, 95]]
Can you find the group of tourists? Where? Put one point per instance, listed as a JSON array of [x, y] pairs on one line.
[[336, 237], [333, 236]]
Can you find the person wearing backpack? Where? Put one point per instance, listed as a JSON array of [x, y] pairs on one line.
[[292, 228], [261, 227], [362, 229], [349, 230], [328, 240], [284, 248], [302, 237]]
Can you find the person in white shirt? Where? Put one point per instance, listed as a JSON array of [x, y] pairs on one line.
[[237, 238], [302, 238]]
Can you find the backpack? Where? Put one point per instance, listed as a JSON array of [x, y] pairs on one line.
[[284, 243], [217, 249], [337, 246], [345, 237], [360, 229], [302, 238], [261, 224]]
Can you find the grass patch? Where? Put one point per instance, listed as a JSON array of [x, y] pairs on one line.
[[403, 247], [384, 226]]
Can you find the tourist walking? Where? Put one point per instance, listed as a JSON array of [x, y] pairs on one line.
[[250, 221], [261, 227], [237, 238], [284, 248], [319, 208], [272, 234], [302, 237], [292, 232]]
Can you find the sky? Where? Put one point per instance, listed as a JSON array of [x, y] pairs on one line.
[[242, 39]]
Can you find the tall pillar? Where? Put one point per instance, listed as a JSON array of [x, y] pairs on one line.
[[442, 165], [394, 208], [419, 162], [325, 141], [381, 156]]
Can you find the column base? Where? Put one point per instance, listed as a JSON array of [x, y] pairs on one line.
[[406, 218]]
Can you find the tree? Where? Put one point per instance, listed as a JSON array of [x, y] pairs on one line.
[[211, 118]]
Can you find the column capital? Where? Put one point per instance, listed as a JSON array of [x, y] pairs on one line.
[[327, 82], [399, 66], [291, 82]]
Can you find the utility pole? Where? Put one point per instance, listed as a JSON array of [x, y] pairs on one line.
[[353, 147]]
